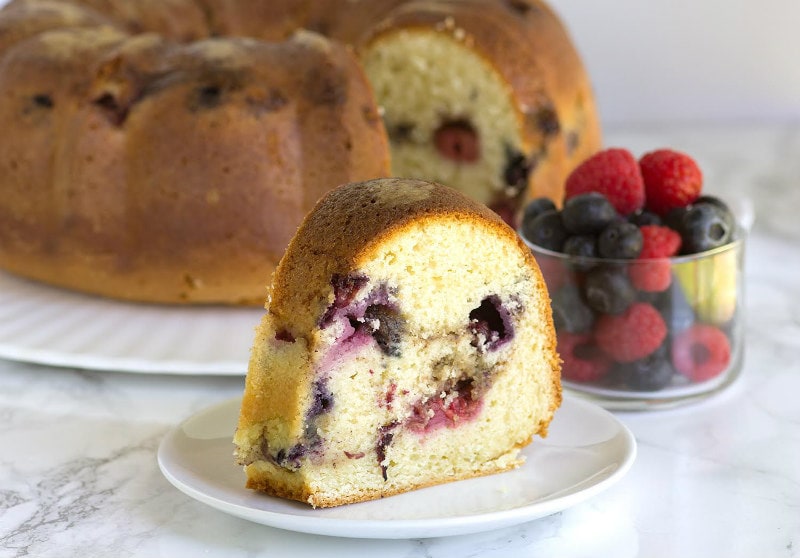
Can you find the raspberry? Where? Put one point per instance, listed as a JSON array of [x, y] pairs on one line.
[[615, 174], [655, 275], [632, 335], [582, 360], [701, 352], [659, 242], [671, 179], [652, 373], [650, 276], [458, 141]]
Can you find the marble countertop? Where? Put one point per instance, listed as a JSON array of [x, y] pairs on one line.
[[78, 471]]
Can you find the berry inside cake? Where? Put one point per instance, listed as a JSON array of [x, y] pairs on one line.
[[408, 342]]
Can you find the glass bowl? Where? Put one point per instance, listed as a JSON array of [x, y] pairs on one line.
[[648, 333]]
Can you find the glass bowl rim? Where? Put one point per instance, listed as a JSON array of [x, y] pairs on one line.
[[734, 244]]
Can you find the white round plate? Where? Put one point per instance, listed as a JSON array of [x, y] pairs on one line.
[[587, 450], [57, 327]]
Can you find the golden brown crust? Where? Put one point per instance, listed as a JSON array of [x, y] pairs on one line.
[[21, 20], [182, 20], [301, 492], [128, 212]]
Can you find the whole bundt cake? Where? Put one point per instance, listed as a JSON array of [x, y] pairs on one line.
[[408, 342], [166, 150]]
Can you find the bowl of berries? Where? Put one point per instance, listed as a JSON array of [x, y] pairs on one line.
[[645, 274]]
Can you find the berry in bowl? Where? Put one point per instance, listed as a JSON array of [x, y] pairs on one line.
[[645, 273]]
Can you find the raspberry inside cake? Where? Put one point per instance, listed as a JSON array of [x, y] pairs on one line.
[[408, 342]]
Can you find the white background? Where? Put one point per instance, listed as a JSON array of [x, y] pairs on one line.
[[689, 61]]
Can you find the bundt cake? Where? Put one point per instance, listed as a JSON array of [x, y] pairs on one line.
[[168, 172], [166, 150], [408, 341]]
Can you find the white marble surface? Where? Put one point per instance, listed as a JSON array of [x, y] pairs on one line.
[[78, 472]]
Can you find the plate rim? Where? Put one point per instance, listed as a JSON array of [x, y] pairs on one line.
[[405, 528], [85, 361], [130, 363]]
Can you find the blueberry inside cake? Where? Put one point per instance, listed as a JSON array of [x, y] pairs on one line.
[[408, 342]]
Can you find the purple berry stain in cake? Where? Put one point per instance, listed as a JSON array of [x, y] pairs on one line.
[[310, 443], [517, 169], [322, 401], [490, 324], [374, 317], [389, 395], [385, 435], [345, 288], [386, 327], [290, 459], [284, 335]]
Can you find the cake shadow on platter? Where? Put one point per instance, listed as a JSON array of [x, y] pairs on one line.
[[167, 151]]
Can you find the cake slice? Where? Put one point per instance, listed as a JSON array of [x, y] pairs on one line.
[[408, 342]]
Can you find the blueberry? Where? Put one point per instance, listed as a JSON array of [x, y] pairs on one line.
[[642, 217], [581, 246], [291, 459], [570, 312], [674, 217], [608, 290], [651, 373], [490, 324], [536, 207], [206, 97], [546, 231], [390, 327], [516, 172], [725, 210], [713, 200], [620, 240], [547, 120], [588, 213], [322, 401], [674, 308], [345, 288], [704, 226], [401, 132], [43, 100]]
